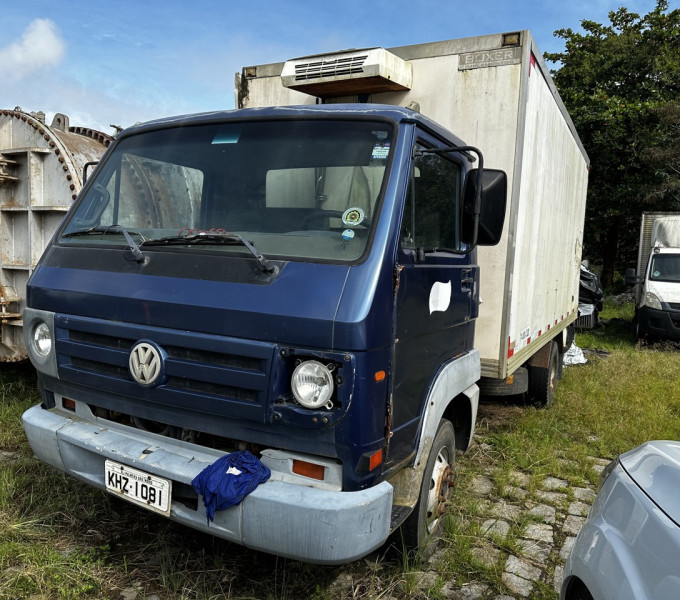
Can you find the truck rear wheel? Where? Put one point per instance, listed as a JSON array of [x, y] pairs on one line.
[[421, 530], [543, 380]]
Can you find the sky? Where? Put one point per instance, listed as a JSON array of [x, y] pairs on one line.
[[104, 62]]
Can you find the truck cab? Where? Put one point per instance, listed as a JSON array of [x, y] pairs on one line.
[[657, 278], [300, 282], [658, 313]]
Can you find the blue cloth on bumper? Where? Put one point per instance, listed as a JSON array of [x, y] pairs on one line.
[[229, 480]]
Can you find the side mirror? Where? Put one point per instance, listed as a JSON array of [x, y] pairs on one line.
[[492, 210], [631, 277]]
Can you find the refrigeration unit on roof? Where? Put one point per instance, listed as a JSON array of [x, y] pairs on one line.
[[369, 71]]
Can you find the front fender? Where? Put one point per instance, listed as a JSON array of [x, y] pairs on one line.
[[456, 378]]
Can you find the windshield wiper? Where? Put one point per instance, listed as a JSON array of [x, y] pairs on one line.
[[137, 253], [215, 238]]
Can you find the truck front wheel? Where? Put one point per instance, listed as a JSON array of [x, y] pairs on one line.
[[422, 528], [641, 335]]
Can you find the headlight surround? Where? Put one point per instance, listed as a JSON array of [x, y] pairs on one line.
[[312, 384], [652, 301], [42, 339]]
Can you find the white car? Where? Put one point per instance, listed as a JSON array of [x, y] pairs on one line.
[[629, 547]]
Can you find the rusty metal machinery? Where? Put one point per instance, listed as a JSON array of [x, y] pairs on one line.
[[41, 170]]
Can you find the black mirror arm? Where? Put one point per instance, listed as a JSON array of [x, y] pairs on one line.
[[86, 167]]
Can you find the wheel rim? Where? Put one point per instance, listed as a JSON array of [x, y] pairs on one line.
[[440, 490], [552, 383]]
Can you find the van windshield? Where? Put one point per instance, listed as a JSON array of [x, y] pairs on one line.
[[665, 267], [305, 189]]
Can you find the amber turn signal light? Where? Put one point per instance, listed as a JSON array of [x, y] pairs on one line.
[[307, 469]]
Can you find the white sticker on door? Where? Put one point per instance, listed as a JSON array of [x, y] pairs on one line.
[[440, 296]]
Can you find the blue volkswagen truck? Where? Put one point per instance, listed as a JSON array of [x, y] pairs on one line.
[[299, 282]]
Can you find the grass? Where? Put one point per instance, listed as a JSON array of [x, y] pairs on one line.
[[62, 540], [615, 329]]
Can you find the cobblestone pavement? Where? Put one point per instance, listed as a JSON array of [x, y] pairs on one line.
[[543, 523], [557, 511]]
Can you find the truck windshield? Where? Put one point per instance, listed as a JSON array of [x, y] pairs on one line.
[[306, 189], [665, 267]]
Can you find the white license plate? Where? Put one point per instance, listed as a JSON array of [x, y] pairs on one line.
[[139, 487]]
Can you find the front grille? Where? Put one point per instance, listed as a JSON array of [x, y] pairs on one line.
[[212, 374], [101, 367], [204, 387], [185, 354], [214, 358], [330, 68], [94, 339]]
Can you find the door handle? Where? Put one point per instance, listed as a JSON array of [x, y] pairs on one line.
[[467, 280]]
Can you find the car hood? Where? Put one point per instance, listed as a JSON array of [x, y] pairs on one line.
[[655, 468], [666, 291]]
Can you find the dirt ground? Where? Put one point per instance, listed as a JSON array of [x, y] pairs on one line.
[[494, 412]]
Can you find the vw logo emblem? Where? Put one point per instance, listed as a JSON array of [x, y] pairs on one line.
[[146, 364]]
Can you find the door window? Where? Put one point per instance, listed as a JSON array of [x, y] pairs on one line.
[[432, 213]]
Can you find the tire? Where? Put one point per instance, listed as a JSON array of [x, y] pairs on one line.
[[499, 387], [543, 380], [641, 335], [422, 528], [571, 334], [578, 591]]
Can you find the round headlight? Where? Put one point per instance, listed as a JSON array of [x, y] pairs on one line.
[[312, 384], [42, 339]]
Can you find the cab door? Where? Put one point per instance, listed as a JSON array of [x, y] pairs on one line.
[[435, 288]]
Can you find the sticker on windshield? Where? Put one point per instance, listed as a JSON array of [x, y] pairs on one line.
[[352, 217], [657, 273], [381, 151], [347, 235]]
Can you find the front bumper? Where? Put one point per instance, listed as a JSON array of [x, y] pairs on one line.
[[664, 324], [300, 522]]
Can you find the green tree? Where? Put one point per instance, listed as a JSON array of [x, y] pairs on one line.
[[619, 83], [663, 155]]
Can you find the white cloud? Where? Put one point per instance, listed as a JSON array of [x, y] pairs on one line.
[[40, 46]]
